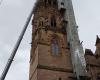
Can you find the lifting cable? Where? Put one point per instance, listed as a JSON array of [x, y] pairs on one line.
[[10, 60]]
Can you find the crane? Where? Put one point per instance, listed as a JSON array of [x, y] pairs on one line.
[[10, 60]]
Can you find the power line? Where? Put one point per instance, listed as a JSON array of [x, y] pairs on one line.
[[1, 2]]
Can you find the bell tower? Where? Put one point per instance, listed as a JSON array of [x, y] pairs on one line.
[[56, 53]]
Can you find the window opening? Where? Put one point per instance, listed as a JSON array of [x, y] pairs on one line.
[[55, 2], [60, 78], [55, 46], [64, 25], [68, 45], [63, 29], [45, 1], [62, 3], [49, 1], [53, 22], [41, 23]]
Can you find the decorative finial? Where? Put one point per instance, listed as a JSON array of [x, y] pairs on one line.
[[97, 40]]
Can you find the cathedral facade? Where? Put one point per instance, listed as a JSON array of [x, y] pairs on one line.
[[54, 43]]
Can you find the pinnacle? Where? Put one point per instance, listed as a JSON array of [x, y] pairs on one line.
[[97, 40]]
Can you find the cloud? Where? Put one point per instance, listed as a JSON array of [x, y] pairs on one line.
[[87, 17], [20, 65], [13, 14], [13, 3]]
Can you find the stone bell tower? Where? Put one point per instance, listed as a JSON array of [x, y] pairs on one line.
[[56, 52]]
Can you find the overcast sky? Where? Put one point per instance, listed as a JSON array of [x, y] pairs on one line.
[[13, 14]]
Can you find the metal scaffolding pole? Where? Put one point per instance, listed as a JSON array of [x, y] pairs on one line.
[[10, 60]]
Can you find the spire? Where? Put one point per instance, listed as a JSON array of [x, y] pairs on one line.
[[97, 40]]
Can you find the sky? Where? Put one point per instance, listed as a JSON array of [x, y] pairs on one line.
[[13, 14]]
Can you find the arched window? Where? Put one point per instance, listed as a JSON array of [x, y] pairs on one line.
[[62, 2], [55, 2], [45, 2], [55, 46], [49, 1], [41, 21], [53, 22]]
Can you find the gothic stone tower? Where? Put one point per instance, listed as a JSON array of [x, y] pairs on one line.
[[51, 57]]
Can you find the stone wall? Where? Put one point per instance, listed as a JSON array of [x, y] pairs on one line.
[[44, 64]]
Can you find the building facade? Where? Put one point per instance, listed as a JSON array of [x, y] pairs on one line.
[[56, 52], [93, 61]]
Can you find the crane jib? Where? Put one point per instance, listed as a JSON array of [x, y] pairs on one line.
[[10, 60]]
